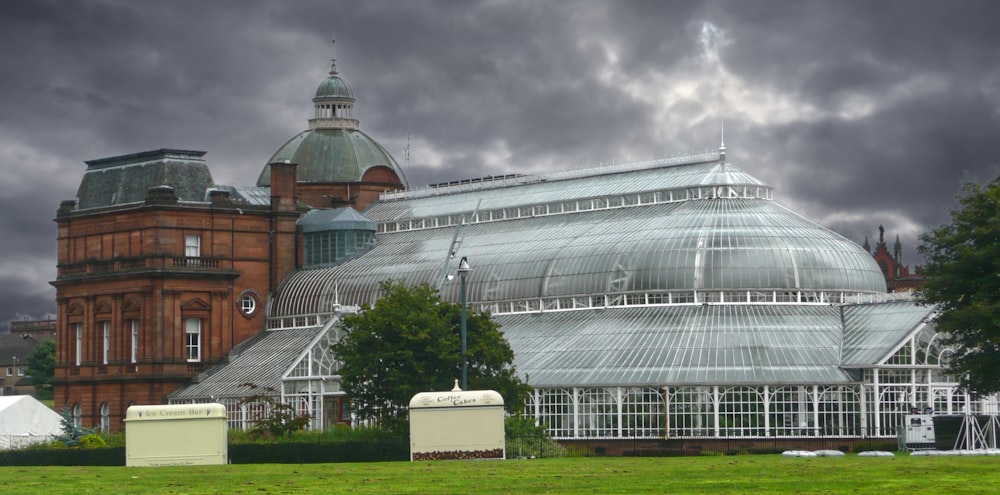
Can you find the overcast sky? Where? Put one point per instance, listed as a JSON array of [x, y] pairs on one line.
[[859, 113]]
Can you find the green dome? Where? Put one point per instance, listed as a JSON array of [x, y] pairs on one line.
[[333, 149], [334, 87], [331, 155]]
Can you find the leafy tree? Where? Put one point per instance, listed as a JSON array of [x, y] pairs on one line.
[[409, 342], [963, 278], [42, 365]]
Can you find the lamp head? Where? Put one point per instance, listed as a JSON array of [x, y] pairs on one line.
[[463, 266]]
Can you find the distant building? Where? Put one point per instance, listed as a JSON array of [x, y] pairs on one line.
[[35, 328], [898, 277], [15, 348]]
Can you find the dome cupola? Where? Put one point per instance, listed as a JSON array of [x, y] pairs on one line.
[[338, 164], [334, 103]]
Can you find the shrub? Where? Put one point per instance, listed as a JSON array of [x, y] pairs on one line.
[[92, 441], [526, 439], [71, 432], [279, 420]]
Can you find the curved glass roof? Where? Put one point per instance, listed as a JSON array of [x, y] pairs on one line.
[[705, 345], [678, 345], [659, 175], [716, 240]]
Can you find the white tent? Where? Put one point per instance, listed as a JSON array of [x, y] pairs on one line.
[[24, 420]]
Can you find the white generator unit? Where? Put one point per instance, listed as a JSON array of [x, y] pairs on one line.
[[917, 432]]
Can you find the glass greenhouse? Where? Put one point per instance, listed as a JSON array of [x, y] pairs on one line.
[[670, 298]]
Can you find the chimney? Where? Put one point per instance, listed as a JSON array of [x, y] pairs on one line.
[[220, 198], [283, 178], [66, 207], [161, 195]]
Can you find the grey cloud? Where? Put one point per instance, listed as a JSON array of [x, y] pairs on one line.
[[234, 78]]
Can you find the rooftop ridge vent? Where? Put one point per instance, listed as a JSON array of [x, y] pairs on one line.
[[495, 182]]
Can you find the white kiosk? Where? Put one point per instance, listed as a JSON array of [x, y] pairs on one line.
[[176, 435], [456, 425]]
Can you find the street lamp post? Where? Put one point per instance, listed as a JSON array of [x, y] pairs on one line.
[[463, 270]]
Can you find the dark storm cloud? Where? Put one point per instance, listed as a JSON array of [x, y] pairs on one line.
[[858, 112]]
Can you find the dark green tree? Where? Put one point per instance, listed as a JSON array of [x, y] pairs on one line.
[[42, 365], [962, 268], [408, 343]]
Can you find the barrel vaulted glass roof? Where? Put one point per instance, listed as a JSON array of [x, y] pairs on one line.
[[527, 190], [703, 239], [707, 344], [678, 345]]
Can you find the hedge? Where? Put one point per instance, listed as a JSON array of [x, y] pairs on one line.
[[239, 453], [35, 456]]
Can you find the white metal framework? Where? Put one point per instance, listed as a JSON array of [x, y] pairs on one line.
[[911, 378], [293, 366], [311, 384]]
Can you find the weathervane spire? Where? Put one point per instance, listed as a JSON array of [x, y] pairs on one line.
[[722, 144], [333, 61]]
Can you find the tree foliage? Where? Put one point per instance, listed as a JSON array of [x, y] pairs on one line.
[[409, 342], [73, 435], [42, 365], [963, 278], [278, 419]]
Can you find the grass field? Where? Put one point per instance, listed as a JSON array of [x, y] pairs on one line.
[[763, 474]]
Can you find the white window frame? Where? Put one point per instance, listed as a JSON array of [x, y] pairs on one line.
[[20, 371], [106, 341], [192, 246], [134, 327], [192, 340], [248, 303], [79, 343], [10, 371]]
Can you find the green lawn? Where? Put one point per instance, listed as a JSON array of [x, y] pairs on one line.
[[770, 474]]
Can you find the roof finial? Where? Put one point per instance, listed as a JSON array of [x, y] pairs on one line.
[[333, 61], [722, 145]]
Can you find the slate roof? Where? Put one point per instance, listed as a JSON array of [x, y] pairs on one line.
[[125, 179]]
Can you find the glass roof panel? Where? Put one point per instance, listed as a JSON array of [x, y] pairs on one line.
[[872, 331], [678, 345], [650, 248]]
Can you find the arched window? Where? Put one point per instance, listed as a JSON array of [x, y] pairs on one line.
[[105, 418], [77, 415]]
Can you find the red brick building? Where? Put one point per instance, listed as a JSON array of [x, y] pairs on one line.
[[898, 277], [161, 272]]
